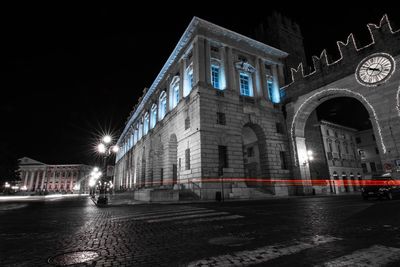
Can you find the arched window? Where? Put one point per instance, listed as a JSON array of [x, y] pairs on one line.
[[140, 131], [188, 85], [146, 123], [153, 116], [135, 136], [174, 89], [162, 105], [246, 83], [131, 141]]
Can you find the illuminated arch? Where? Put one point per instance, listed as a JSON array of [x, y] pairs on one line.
[[332, 93]]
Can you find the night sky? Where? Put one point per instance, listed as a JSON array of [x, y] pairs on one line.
[[72, 73]]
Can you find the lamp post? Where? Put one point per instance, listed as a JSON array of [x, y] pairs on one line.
[[106, 149], [94, 176], [307, 159]]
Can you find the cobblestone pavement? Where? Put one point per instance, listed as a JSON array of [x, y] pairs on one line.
[[308, 231]]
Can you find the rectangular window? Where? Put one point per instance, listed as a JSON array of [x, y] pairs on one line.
[[376, 150], [250, 152], [284, 165], [187, 159], [187, 123], [364, 167], [270, 88], [245, 87], [358, 140], [373, 167], [373, 137], [222, 157], [221, 118], [215, 76], [279, 127], [161, 176], [190, 79]]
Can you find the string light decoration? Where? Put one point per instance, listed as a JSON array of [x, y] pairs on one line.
[[350, 40], [335, 91], [398, 101]]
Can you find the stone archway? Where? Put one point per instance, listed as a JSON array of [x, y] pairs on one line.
[[307, 104], [254, 153]]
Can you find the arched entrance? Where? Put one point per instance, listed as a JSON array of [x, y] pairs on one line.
[[254, 153], [324, 147]]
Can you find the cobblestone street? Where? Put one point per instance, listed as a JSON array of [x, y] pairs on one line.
[[302, 231]]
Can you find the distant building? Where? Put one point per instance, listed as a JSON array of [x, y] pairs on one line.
[[40, 177], [335, 157], [369, 153]]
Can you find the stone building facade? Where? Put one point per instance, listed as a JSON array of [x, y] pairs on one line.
[[40, 177], [369, 153], [336, 164], [218, 117], [214, 101]]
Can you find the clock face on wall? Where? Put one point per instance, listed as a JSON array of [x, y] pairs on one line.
[[375, 69]]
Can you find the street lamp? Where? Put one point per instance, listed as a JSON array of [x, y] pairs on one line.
[[105, 148]]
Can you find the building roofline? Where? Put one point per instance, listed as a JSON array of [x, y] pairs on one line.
[[337, 125], [183, 41]]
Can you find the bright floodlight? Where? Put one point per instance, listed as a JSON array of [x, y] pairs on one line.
[[95, 169], [101, 148], [107, 139], [310, 158], [115, 148], [309, 152]]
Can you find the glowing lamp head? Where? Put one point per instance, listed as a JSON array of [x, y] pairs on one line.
[[95, 169], [107, 139], [101, 148], [309, 153], [115, 149]]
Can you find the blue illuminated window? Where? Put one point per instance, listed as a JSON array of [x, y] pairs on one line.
[[162, 105], [270, 88], [215, 73], [174, 92], [140, 131], [146, 124], [153, 116], [188, 84], [135, 136], [245, 84]]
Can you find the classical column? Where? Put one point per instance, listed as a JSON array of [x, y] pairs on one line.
[[257, 80], [263, 86], [182, 79], [31, 180], [199, 60], [26, 178], [37, 179], [207, 62], [43, 178], [276, 82], [230, 71]]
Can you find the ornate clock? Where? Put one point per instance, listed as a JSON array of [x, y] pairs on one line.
[[375, 69]]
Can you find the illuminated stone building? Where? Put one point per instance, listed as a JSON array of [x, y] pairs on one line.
[[40, 177], [222, 116]]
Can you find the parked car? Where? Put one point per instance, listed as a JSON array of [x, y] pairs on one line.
[[381, 186]]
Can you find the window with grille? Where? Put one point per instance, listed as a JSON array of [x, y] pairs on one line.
[[221, 118], [187, 159]]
